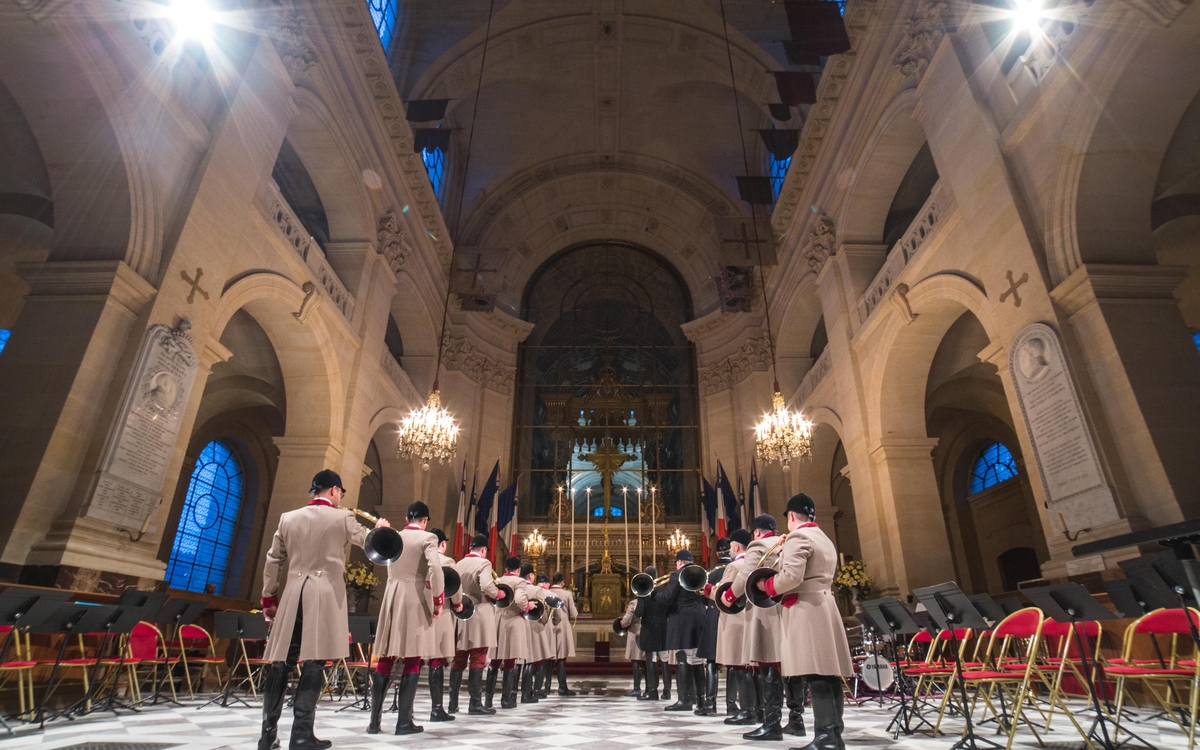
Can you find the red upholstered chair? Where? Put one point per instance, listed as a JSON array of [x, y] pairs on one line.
[[196, 649], [1179, 668], [148, 648], [21, 665]]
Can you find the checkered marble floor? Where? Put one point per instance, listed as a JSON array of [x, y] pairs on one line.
[[599, 718]]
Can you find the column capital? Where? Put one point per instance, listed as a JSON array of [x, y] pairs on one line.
[[994, 353], [88, 278], [302, 446], [1092, 282], [892, 448]]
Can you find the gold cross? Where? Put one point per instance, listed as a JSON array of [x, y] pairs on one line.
[[195, 284], [1012, 289]]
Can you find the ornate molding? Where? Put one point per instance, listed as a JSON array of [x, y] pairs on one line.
[[753, 356], [392, 243], [813, 378], [821, 241], [292, 45], [923, 33], [396, 374], [458, 354]]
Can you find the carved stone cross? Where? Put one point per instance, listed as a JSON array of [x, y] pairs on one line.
[[1012, 289], [744, 241], [195, 284], [477, 271]]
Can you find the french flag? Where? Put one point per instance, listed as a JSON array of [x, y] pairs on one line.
[[708, 519], [506, 516], [460, 522], [485, 510]]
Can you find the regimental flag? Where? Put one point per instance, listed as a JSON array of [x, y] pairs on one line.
[[469, 525], [728, 504], [742, 501], [746, 240], [719, 501], [506, 516], [460, 523], [756, 507], [708, 519], [485, 516]]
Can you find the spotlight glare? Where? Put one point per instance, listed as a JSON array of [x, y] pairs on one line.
[[1027, 15], [193, 19]]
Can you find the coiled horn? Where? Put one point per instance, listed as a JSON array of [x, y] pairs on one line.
[[467, 611], [693, 578], [383, 545]]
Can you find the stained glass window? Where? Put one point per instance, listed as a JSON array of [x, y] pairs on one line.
[[779, 170], [383, 13], [994, 465], [1195, 339], [204, 538], [4, 334], [435, 166]]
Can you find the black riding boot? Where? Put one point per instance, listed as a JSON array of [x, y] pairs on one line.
[[772, 707], [760, 703], [508, 688], [527, 693], [491, 688], [408, 694], [543, 681], [795, 702], [731, 691], [475, 689], [273, 693], [666, 680], [748, 715], [826, 704], [706, 704], [683, 684], [455, 689], [562, 679], [437, 687], [379, 686], [637, 681], [700, 685], [651, 693], [304, 707]]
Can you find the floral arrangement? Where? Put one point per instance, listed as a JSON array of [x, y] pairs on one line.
[[360, 582], [852, 577]]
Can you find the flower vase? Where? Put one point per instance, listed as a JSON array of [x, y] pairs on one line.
[[857, 598]]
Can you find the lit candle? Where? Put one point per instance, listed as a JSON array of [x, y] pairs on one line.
[[640, 543], [558, 540], [587, 537], [625, 512], [653, 529]]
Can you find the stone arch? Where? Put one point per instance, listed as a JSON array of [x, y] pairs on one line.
[[1105, 186], [794, 331], [306, 350], [318, 138], [897, 138]]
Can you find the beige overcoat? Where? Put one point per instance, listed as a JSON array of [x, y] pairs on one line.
[[512, 630], [763, 629], [406, 611], [443, 627], [478, 586], [634, 624], [731, 629], [312, 542], [814, 636], [564, 631], [541, 632]]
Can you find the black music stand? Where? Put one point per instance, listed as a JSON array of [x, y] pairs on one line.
[[66, 620], [234, 626], [891, 616], [950, 609], [24, 608], [1073, 604], [988, 607], [361, 631], [177, 612], [121, 622]]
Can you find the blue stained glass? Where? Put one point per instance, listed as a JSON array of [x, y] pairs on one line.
[[1195, 339], [435, 166], [598, 511], [779, 170], [994, 465], [204, 539], [4, 334], [384, 13], [616, 512]]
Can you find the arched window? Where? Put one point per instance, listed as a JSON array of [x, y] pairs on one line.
[[383, 13], [204, 538], [779, 170], [994, 465], [4, 334]]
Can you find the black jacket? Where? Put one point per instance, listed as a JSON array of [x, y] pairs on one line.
[[685, 614], [712, 615], [653, 636]]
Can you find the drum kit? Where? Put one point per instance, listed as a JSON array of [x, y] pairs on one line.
[[873, 670]]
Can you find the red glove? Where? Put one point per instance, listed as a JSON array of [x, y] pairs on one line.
[[789, 600], [768, 586], [708, 587], [270, 606], [440, 599], [728, 596]]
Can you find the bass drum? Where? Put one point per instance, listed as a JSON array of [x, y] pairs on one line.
[[877, 673]]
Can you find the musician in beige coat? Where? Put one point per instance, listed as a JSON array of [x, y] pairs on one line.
[[633, 627], [731, 638], [412, 600], [443, 641], [541, 638], [310, 618], [512, 635], [564, 631], [763, 630], [815, 637], [476, 635]]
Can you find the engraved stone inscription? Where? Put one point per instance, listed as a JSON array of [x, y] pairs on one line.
[[1062, 445], [129, 483]]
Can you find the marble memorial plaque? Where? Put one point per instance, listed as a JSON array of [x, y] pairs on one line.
[[1062, 443], [128, 486]]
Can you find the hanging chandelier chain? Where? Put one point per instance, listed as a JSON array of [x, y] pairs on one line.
[[762, 277]]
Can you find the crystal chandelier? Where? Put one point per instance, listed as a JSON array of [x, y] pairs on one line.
[[782, 435], [678, 541], [535, 544], [428, 433]]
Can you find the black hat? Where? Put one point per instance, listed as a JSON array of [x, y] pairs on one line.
[[558, 577], [742, 537], [418, 510], [683, 555], [478, 541], [543, 579], [441, 535], [651, 571], [723, 544], [526, 570], [802, 505], [512, 563], [765, 522], [326, 479]]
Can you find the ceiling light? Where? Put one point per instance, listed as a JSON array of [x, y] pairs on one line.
[[1027, 15], [193, 19]]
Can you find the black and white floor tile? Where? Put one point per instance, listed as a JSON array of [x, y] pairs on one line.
[[599, 718]]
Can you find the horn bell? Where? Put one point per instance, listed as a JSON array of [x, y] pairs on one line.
[[536, 612], [641, 585], [759, 598], [468, 609], [693, 578], [738, 605], [453, 581], [618, 628], [509, 595], [383, 545]]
